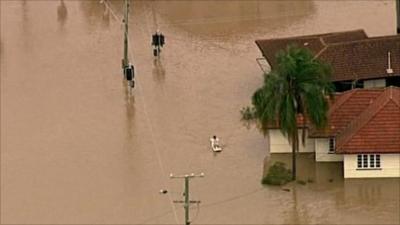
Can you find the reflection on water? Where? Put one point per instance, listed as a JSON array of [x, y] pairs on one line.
[[326, 188], [130, 114], [158, 70], [96, 13], [308, 169], [26, 24], [62, 13]]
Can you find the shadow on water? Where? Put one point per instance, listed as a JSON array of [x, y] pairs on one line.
[[62, 13]]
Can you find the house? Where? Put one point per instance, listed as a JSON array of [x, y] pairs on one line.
[[364, 132], [356, 59], [359, 132], [278, 143]]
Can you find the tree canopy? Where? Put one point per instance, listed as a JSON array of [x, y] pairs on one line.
[[299, 85]]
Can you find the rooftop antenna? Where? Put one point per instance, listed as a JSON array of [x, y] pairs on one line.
[[389, 70]]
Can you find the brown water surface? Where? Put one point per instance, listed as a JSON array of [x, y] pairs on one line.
[[76, 147]]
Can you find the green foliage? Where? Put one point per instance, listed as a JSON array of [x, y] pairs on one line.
[[298, 85], [277, 174], [247, 114]]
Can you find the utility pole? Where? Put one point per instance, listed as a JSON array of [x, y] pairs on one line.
[[398, 15], [125, 61], [187, 201], [128, 68]]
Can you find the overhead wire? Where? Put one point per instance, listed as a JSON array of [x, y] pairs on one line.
[[155, 144], [160, 163], [184, 80]]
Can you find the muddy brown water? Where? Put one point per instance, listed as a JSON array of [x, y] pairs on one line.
[[77, 148]]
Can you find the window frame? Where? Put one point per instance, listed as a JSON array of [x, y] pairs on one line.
[[368, 162], [331, 145]]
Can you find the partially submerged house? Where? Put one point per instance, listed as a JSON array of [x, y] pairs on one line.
[[357, 61], [364, 124], [364, 132]]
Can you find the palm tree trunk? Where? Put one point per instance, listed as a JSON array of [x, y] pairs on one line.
[[295, 144]]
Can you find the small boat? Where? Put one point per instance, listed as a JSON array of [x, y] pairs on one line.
[[215, 146]]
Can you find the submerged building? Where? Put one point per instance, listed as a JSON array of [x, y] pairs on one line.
[[363, 127]]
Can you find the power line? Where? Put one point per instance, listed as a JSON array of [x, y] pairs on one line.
[[187, 200]]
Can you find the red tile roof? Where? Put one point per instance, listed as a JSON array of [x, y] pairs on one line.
[[363, 59], [352, 54], [365, 120]]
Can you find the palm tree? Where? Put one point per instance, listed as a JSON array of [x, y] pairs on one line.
[[298, 86]]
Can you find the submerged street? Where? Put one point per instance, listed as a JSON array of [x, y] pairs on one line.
[[78, 148]]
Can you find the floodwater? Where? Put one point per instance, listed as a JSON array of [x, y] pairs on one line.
[[78, 148]]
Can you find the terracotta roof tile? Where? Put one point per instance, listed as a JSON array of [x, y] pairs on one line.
[[352, 54], [346, 107], [365, 120], [381, 134], [363, 59], [315, 43]]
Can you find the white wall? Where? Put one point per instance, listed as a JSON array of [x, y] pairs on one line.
[[375, 83], [322, 151], [280, 144], [390, 167]]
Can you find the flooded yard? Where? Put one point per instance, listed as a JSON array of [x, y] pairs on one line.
[[77, 148]]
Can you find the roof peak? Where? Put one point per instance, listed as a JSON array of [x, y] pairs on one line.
[[388, 95], [316, 36], [362, 41]]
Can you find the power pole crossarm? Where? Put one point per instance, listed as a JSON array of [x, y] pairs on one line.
[[190, 201], [187, 201]]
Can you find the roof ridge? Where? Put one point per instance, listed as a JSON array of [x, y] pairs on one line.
[[322, 50], [396, 92], [316, 36], [369, 39], [343, 98], [368, 113]]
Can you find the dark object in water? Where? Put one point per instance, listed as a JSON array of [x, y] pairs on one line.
[[302, 182]]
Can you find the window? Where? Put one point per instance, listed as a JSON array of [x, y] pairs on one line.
[[372, 161], [378, 161], [365, 161], [331, 145], [368, 161]]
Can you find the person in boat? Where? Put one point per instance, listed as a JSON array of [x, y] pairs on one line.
[[215, 141]]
